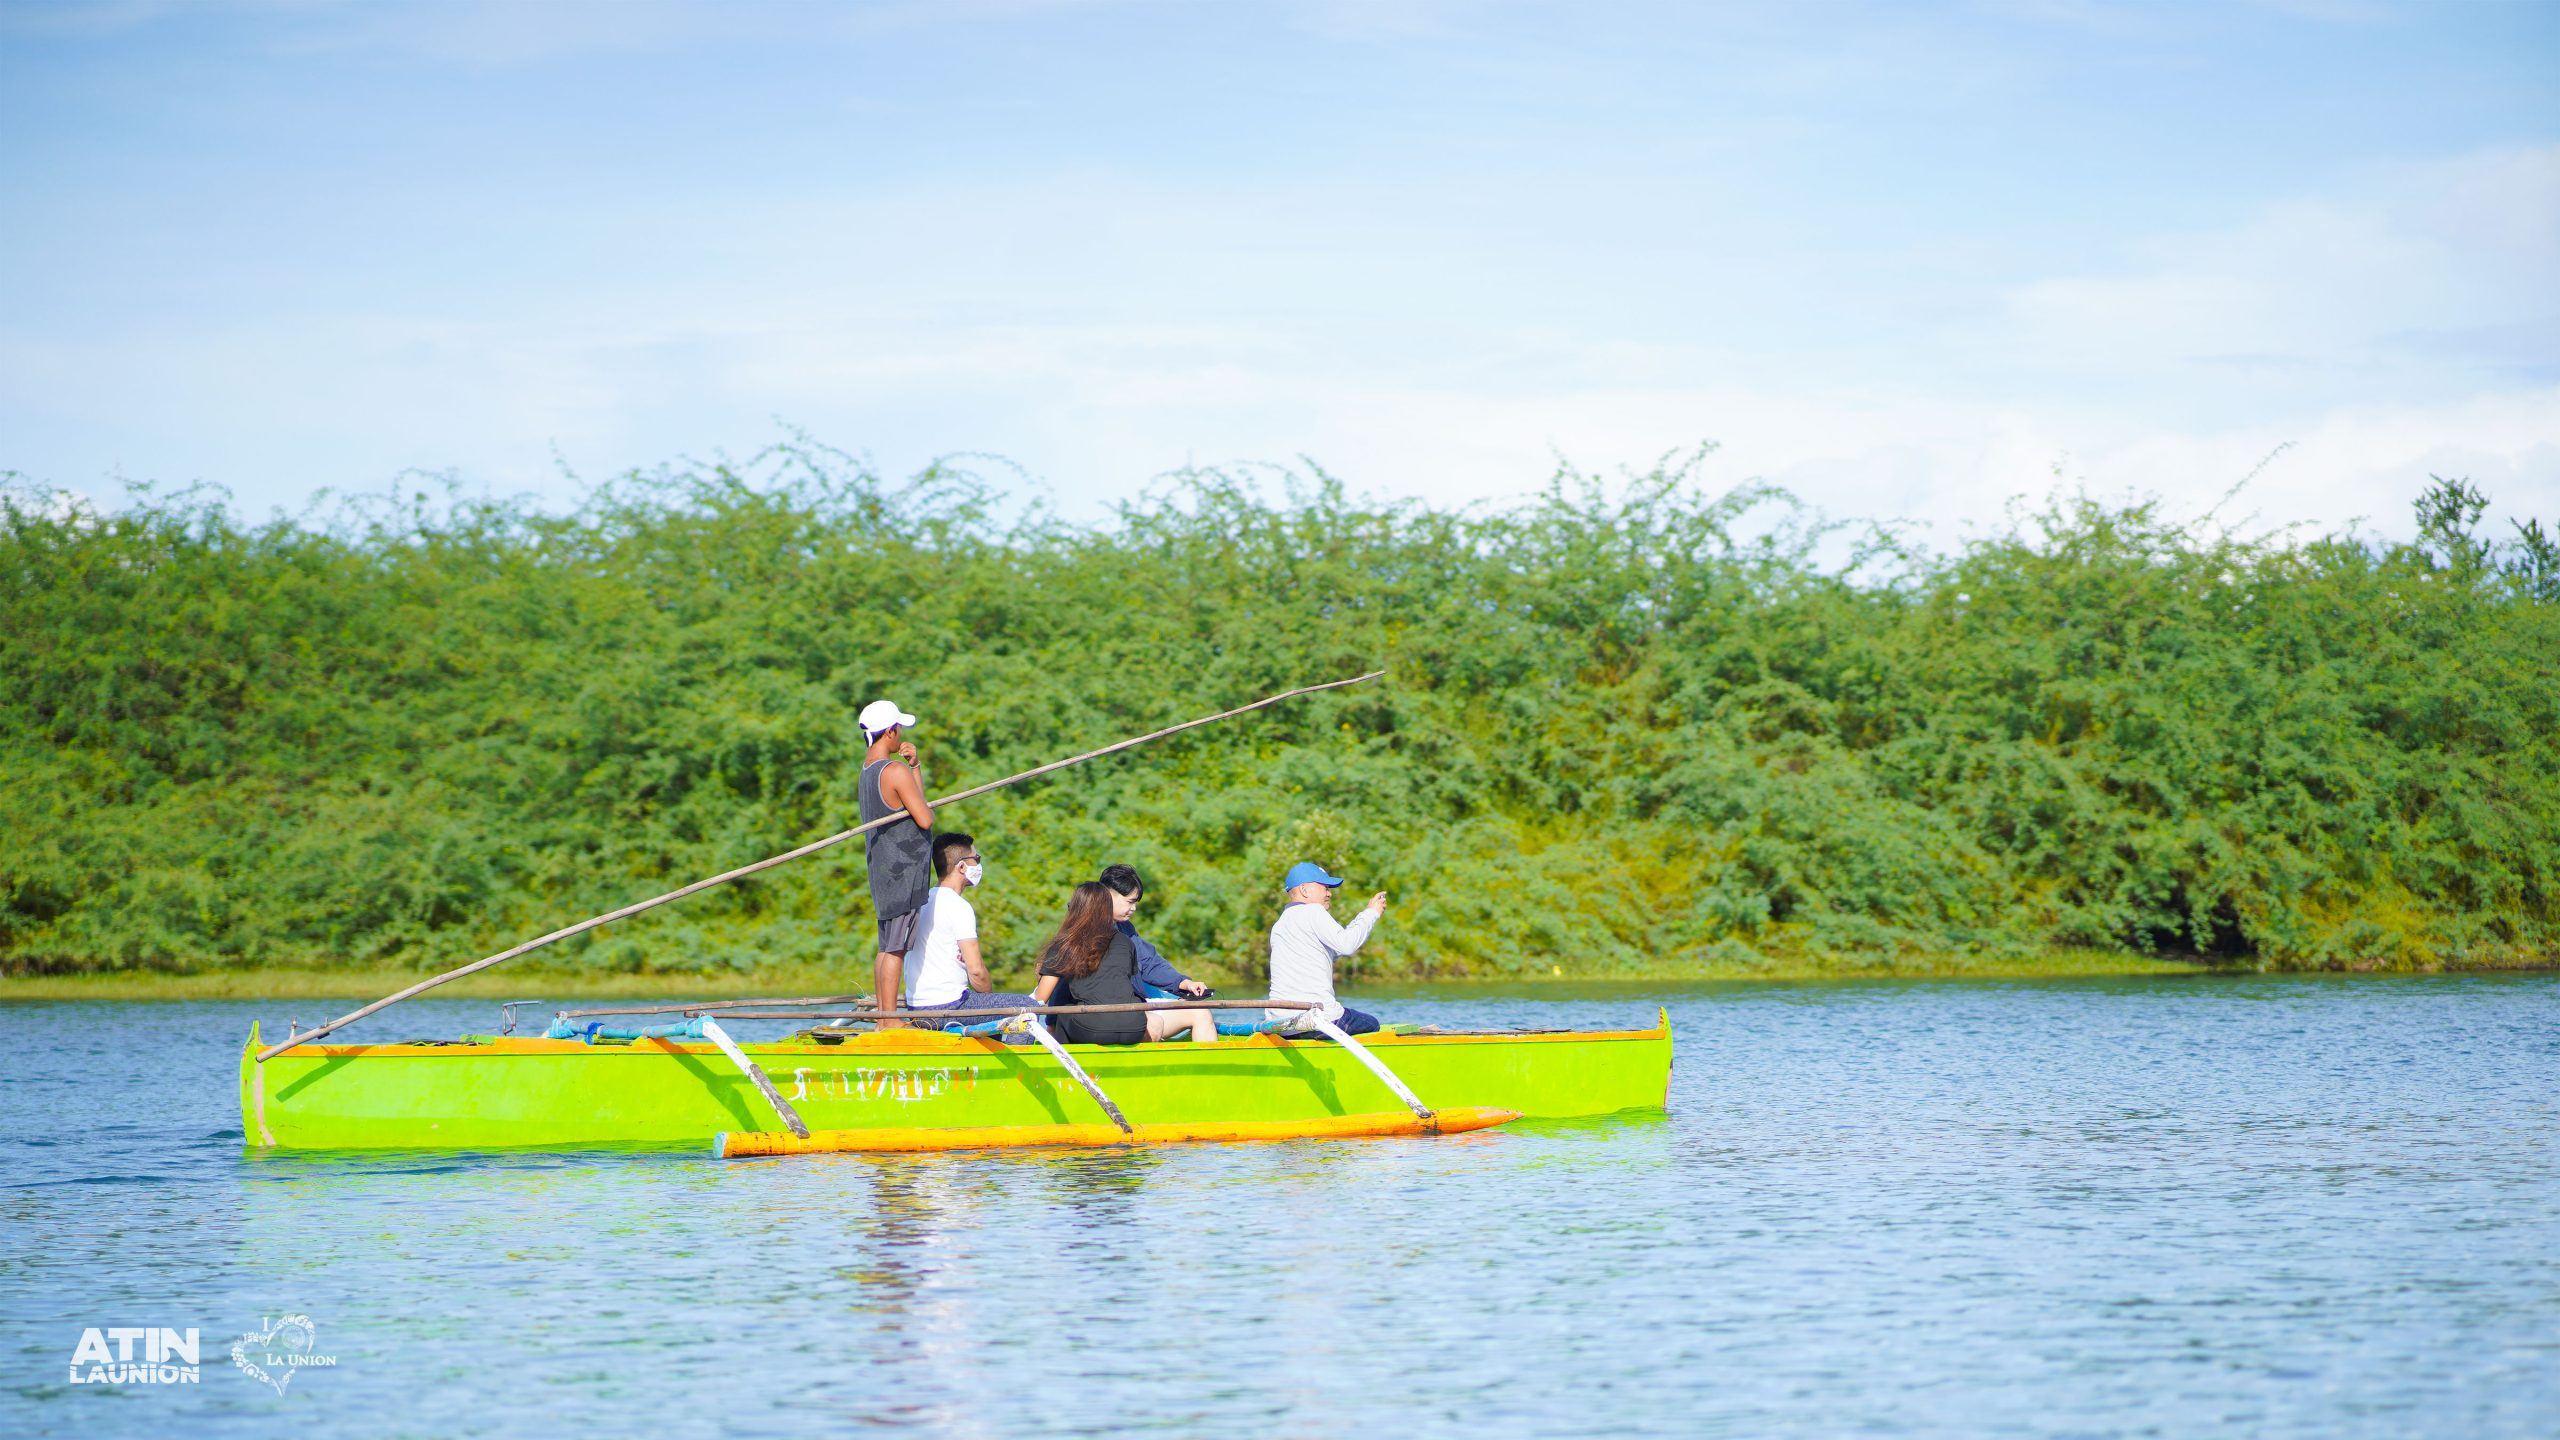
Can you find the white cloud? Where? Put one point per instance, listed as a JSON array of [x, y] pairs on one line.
[[2427, 277], [1101, 329], [1955, 465]]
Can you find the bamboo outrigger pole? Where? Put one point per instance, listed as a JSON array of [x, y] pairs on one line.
[[813, 847]]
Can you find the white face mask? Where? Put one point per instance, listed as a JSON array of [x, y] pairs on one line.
[[973, 872]]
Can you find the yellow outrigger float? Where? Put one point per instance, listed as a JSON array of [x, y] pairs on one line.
[[1331, 1127]]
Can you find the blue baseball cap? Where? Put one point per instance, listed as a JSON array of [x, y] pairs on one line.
[[1305, 871]]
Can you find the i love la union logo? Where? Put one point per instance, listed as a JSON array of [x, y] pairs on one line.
[[287, 1346]]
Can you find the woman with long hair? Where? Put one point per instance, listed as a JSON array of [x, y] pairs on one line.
[[1090, 962]]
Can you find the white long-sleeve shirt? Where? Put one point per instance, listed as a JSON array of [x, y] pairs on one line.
[[1304, 944]]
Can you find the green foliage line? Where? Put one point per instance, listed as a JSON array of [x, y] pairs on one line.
[[1627, 727]]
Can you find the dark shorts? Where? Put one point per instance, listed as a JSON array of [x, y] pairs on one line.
[[983, 1000], [898, 933], [1353, 1022], [1127, 1027], [978, 1000]]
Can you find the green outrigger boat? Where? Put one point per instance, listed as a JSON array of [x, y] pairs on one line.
[[960, 1087], [910, 1089]]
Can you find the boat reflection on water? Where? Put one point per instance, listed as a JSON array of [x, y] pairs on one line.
[[903, 1210], [1099, 1186]]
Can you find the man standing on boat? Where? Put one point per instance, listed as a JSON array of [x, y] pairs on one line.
[[1306, 942], [900, 852]]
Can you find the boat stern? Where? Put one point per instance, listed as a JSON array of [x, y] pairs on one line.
[[253, 1095]]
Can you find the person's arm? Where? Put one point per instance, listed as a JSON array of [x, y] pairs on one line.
[[1154, 969], [976, 967], [902, 786], [1345, 939], [1040, 993]]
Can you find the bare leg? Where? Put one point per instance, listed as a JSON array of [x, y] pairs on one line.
[[888, 977], [1165, 1024]]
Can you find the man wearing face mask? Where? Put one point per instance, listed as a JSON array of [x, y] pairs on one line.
[[951, 975]]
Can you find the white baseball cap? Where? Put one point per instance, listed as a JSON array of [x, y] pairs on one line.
[[879, 715]]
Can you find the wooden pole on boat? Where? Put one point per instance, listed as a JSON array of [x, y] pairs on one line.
[[862, 1010], [813, 847], [978, 1013]]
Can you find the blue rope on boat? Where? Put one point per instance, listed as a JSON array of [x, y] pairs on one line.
[[596, 1030], [996, 1027]]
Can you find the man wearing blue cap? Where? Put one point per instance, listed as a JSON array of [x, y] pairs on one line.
[[1306, 942]]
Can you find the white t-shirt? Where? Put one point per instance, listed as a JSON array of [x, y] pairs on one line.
[[945, 921]]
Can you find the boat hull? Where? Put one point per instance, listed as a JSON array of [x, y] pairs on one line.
[[568, 1095]]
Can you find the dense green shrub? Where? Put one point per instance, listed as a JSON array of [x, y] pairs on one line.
[[1622, 730]]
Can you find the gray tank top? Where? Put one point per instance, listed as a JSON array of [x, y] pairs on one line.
[[901, 854]]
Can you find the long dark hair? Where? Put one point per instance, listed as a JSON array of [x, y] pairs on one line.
[[1077, 949]]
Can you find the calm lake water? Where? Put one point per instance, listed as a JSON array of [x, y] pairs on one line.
[[2314, 1207]]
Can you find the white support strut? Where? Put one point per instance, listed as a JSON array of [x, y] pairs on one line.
[[711, 1030], [1377, 1067], [1031, 1023]]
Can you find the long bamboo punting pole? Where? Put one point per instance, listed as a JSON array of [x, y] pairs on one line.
[[787, 856], [707, 1007]]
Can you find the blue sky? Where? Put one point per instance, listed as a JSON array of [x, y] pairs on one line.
[[1909, 261]]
